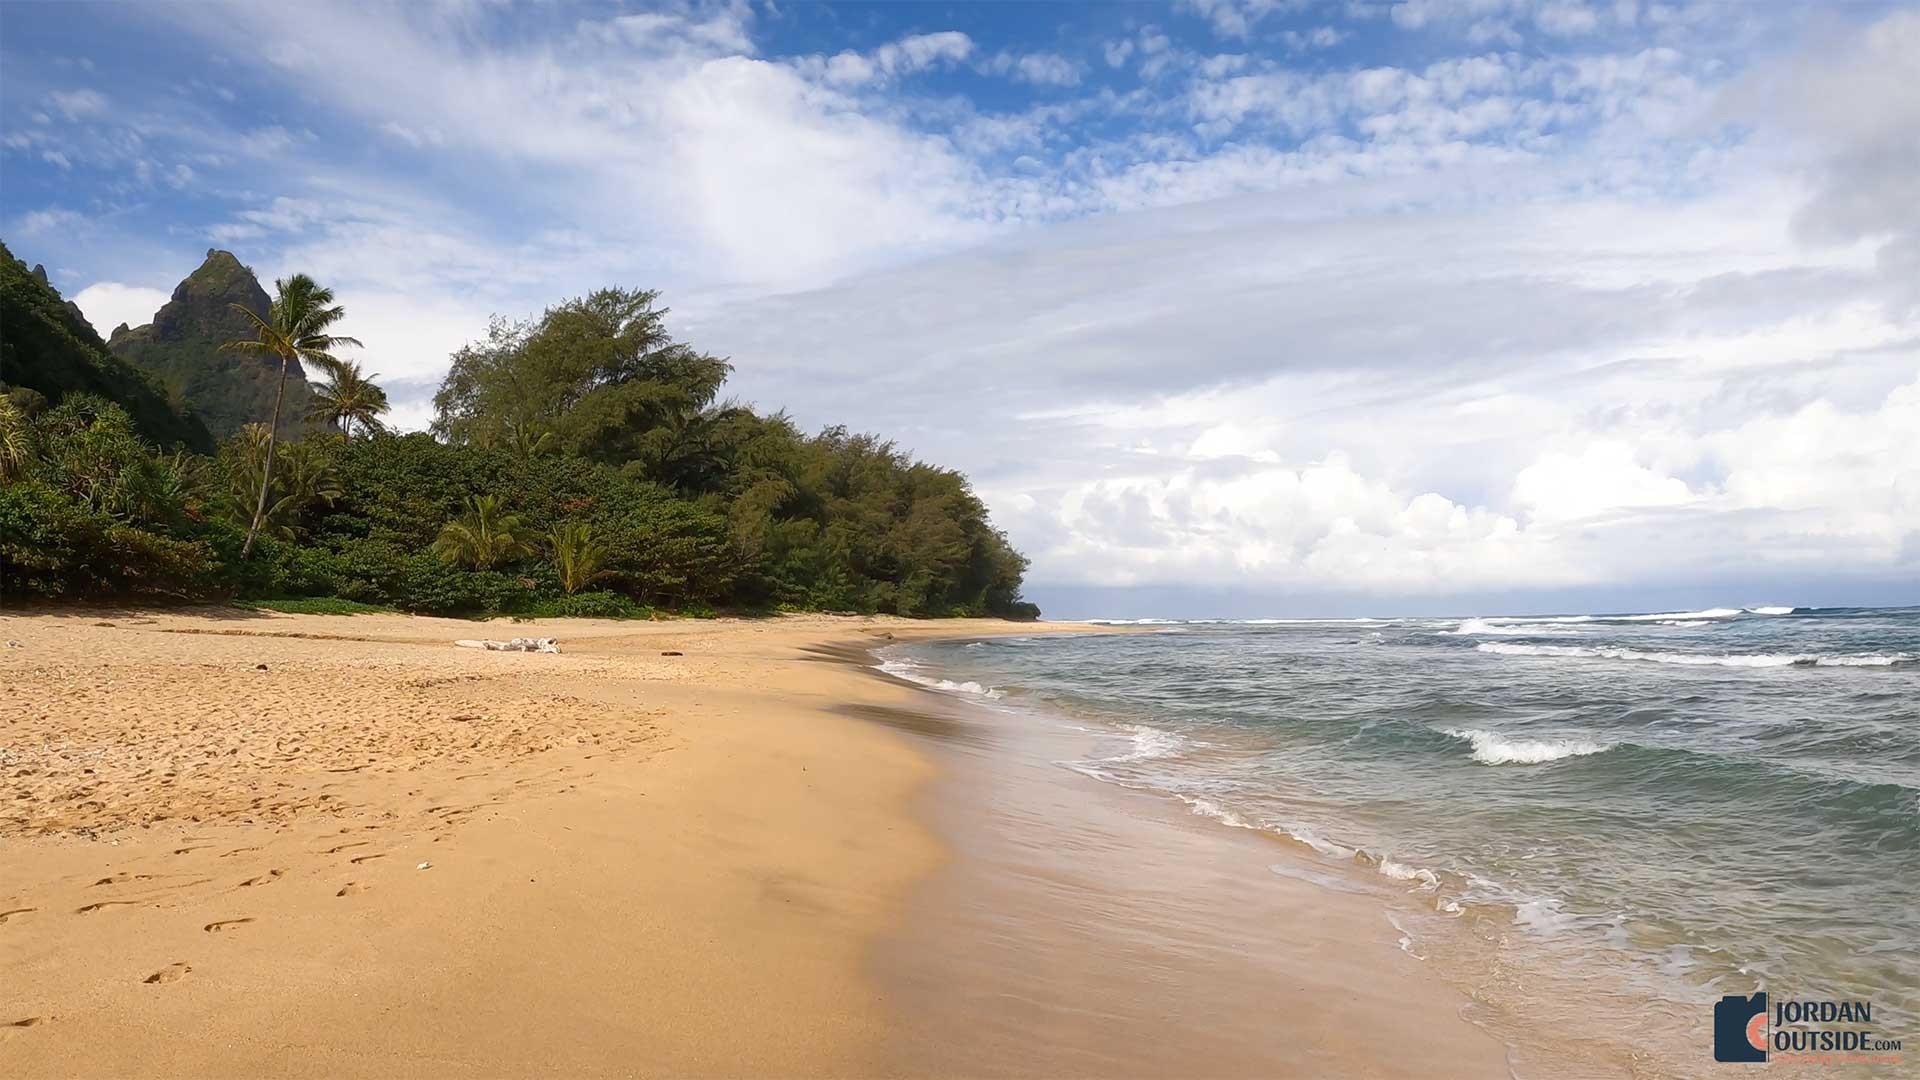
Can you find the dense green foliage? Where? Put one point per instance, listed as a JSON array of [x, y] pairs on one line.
[[181, 348], [581, 464], [47, 347]]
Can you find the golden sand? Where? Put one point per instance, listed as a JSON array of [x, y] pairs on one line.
[[251, 845]]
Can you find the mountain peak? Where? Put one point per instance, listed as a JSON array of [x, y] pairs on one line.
[[181, 346]]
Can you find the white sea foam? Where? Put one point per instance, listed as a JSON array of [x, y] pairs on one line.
[[1656, 616], [1318, 843], [1209, 808], [1492, 748], [1709, 613], [1406, 938], [1402, 872], [906, 669], [1150, 743], [1732, 660], [1540, 916], [1499, 627], [1229, 622]]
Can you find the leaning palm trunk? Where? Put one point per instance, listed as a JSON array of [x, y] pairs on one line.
[[266, 470], [294, 329]]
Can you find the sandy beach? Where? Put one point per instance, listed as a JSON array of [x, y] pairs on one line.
[[249, 844]]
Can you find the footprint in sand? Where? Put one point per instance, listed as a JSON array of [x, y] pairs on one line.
[[358, 859], [264, 879], [352, 888], [121, 879], [5, 915], [216, 927], [170, 973], [91, 908], [8, 1030]]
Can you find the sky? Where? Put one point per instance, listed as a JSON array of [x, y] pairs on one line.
[[1227, 307]]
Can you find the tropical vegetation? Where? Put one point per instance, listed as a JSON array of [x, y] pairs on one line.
[[579, 463]]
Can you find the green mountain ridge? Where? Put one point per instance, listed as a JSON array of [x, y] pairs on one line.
[[48, 346], [181, 349]]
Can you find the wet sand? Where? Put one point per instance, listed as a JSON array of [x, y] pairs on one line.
[[274, 845], [1080, 929]]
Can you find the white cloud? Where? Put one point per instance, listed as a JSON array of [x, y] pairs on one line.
[[1038, 68], [1507, 317], [108, 304], [78, 104], [896, 59], [37, 223]]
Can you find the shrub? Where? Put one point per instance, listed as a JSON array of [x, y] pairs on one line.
[[53, 546], [588, 605]]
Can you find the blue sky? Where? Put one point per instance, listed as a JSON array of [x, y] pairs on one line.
[[1290, 306]]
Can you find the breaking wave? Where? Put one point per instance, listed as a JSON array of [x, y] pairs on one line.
[[1732, 660], [910, 671], [1492, 748]]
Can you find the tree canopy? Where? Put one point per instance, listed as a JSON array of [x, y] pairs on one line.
[[583, 462]]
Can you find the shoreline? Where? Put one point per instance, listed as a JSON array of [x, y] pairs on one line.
[[1087, 929], [382, 854]]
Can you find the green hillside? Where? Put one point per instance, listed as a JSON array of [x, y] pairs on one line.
[[47, 345], [181, 348]]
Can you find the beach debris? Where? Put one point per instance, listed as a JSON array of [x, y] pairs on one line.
[[519, 644], [259, 667], [671, 652], [424, 866], [11, 644]]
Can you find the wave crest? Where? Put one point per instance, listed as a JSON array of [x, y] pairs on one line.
[[1733, 660], [1493, 748], [910, 671]]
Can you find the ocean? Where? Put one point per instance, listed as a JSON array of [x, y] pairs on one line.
[[1597, 823]]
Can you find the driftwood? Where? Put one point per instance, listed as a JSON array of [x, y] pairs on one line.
[[519, 644]]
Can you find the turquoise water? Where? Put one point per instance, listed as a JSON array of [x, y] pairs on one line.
[[1684, 803]]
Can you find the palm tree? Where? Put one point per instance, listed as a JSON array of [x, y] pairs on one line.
[[295, 329], [527, 440], [577, 555], [484, 537], [305, 475], [348, 398]]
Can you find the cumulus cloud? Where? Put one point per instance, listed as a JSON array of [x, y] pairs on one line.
[[1570, 300], [108, 304], [908, 56]]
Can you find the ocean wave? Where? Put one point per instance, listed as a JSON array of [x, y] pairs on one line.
[[1150, 743], [1499, 627], [1492, 748], [910, 671], [1402, 872], [1207, 808], [1231, 622], [1732, 660], [1708, 613], [1703, 615]]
